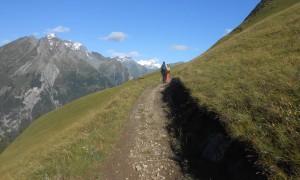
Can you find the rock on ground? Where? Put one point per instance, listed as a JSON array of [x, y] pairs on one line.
[[144, 151]]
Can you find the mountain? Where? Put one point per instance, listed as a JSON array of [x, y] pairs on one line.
[[39, 75], [250, 79], [150, 64], [246, 88], [134, 68], [175, 64]]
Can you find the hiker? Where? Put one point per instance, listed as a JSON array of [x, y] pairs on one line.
[[163, 70], [168, 73]]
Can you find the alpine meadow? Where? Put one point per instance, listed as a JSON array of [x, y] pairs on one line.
[[249, 80]]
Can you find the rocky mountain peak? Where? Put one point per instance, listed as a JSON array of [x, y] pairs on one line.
[[51, 36], [150, 64], [39, 75], [123, 58], [55, 42]]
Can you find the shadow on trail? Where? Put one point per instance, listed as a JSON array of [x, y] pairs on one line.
[[203, 147]]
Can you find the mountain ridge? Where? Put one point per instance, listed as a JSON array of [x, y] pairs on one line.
[[39, 75], [250, 82]]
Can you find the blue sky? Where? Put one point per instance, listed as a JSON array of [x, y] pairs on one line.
[[160, 30]]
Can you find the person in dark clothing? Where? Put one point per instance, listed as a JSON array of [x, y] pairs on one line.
[[163, 70]]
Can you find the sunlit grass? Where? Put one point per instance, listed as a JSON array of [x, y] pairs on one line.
[[250, 78], [253, 81], [74, 140]]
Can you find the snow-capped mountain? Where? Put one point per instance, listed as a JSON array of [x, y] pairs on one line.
[[150, 64], [39, 75], [136, 68], [53, 41], [123, 58]]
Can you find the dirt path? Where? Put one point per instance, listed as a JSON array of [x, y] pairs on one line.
[[144, 151]]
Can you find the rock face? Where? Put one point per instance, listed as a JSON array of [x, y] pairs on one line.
[[39, 75]]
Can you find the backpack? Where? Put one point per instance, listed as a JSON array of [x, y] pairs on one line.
[[163, 68], [168, 69]]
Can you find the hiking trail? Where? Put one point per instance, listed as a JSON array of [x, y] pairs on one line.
[[143, 151]]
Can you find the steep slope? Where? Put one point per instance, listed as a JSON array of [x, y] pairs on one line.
[[251, 80], [263, 10], [39, 75]]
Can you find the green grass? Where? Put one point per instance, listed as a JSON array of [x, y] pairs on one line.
[[264, 9], [251, 78], [253, 81], [74, 140]]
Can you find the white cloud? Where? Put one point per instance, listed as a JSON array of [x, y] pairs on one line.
[[182, 48], [116, 36], [228, 30], [114, 53], [178, 47], [150, 63], [5, 41], [134, 54], [58, 29], [36, 34]]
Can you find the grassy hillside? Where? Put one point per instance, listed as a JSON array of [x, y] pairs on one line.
[[263, 10], [252, 79], [71, 141]]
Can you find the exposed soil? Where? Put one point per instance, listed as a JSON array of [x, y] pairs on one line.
[[169, 136], [144, 150]]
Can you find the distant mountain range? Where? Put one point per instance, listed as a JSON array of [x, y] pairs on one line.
[[134, 68], [40, 75]]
